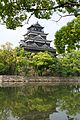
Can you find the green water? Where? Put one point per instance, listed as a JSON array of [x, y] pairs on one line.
[[38, 102]]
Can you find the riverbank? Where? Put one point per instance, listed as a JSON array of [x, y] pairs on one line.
[[14, 80]]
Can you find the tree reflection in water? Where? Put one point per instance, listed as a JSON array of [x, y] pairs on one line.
[[38, 102]]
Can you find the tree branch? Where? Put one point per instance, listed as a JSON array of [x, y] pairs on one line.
[[30, 17], [62, 5], [61, 16]]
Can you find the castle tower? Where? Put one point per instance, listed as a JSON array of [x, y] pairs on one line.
[[35, 40]]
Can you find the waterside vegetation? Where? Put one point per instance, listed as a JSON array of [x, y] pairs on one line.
[[67, 63], [19, 62]]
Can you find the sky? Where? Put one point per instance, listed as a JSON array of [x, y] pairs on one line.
[[50, 27]]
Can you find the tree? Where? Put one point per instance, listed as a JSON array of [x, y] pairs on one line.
[[70, 64], [7, 59], [42, 62], [22, 61], [7, 46], [13, 61], [14, 12], [68, 37]]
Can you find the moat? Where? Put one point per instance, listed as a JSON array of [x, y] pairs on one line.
[[32, 102]]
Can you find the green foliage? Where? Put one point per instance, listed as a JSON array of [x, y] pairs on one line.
[[13, 61], [7, 58], [19, 62], [42, 62], [14, 12], [22, 62], [68, 37], [70, 64], [3, 69]]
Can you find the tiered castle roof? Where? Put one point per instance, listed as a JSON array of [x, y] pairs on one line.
[[35, 40]]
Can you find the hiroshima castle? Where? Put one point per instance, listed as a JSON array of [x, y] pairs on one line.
[[35, 40]]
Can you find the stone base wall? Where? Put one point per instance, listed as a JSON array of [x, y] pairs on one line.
[[14, 80]]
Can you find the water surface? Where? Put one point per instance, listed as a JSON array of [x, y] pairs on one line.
[[39, 102]]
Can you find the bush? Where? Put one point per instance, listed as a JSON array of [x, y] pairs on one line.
[[3, 69], [70, 64]]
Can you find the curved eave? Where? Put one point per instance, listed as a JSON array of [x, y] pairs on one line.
[[35, 26], [50, 49]]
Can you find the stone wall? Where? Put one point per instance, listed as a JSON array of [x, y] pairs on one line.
[[13, 80]]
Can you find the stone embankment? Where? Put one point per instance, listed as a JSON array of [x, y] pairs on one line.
[[14, 80]]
